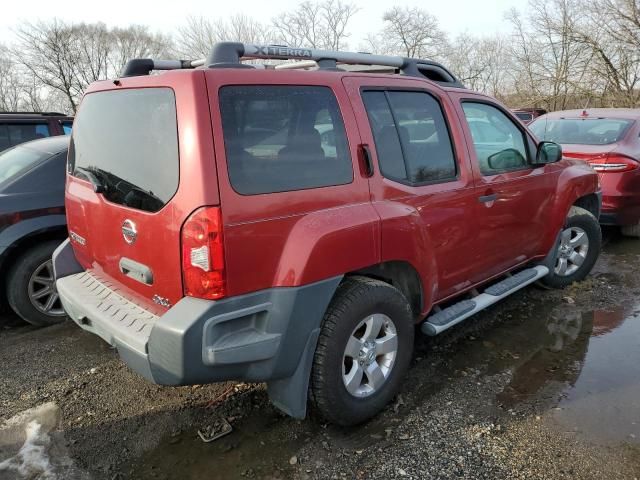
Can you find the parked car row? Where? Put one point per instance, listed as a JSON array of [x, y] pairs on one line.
[[294, 227]]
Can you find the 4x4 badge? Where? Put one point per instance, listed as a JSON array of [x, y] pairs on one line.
[[129, 231]]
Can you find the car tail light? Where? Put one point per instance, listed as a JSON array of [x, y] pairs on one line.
[[614, 163], [203, 255]]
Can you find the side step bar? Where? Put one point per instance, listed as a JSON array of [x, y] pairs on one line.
[[450, 316]]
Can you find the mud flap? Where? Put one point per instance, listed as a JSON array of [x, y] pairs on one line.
[[290, 394]]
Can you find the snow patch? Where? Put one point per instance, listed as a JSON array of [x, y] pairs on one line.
[[32, 460]]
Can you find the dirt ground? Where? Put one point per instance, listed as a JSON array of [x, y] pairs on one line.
[[544, 385]]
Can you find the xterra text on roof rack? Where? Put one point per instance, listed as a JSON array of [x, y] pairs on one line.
[[287, 226]]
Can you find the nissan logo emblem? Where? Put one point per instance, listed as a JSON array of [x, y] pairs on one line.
[[129, 231]]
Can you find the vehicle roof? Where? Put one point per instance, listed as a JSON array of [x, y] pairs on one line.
[[52, 145], [622, 113]]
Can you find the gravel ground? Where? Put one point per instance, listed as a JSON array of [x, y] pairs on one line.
[[493, 398]]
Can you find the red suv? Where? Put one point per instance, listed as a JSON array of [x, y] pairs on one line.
[[263, 224]]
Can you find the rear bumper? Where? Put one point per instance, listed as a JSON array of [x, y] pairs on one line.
[[268, 335]]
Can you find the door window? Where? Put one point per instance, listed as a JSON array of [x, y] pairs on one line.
[[499, 144], [411, 136], [283, 138], [15, 133]]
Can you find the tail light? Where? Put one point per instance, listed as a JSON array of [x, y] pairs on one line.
[[613, 163], [203, 255]]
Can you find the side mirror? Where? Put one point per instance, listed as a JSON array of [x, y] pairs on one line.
[[507, 159], [548, 152]]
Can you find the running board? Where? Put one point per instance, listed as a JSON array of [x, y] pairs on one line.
[[450, 316]]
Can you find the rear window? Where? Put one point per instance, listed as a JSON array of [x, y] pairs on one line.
[[283, 138], [15, 133], [524, 116], [127, 140], [583, 131], [17, 160]]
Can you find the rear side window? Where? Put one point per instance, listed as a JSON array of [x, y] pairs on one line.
[[127, 140], [66, 127], [411, 136], [283, 138], [15, 133]]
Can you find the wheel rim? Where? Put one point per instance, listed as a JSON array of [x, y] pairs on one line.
[[572, 251], [42, 292], [369, 355]]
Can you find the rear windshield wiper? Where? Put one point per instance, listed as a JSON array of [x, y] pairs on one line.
[[90, 175]]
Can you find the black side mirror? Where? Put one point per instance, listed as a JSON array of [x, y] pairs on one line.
[[548, 152]]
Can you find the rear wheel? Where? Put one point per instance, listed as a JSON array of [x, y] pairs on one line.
[[363, 352], [31, 291], [578, 250]]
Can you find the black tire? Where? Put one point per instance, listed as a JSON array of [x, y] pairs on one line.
[[357, 299], [582, 219], [18, 280]]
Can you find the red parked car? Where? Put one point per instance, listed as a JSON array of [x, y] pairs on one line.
[[609, 139], [293, 227]]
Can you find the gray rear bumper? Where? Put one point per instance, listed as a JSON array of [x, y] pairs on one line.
[[268, 335]]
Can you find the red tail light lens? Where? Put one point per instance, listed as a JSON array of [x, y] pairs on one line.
[[614, 163], [203, 255]]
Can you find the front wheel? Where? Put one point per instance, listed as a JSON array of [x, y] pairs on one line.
[[578, 249], [363, 351]]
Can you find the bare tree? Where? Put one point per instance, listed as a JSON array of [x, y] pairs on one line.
[[11, 87], [316, 25], [65, 58], [410, 32], [197, 36]]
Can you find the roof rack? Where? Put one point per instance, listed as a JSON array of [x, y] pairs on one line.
[[44, 114], [230, 54]]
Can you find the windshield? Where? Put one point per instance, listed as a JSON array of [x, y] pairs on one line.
[[125, 142], [17, 160], [583, 131]]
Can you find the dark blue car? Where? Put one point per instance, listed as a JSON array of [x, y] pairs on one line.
[[32, 225]]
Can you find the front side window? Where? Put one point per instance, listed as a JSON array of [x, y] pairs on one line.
[[411, 136], [67, 127], [283, 138], [15, 133], [498, 142]]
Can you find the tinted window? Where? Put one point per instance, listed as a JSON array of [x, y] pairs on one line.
[[283, 138], [498, 142], [525, 117], [15, 133], [587, 131], [66, 127], [17, 160], [127, 140], [411, 136]]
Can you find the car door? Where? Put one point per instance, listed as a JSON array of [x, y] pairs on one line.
[[420, 169], [512, 196]]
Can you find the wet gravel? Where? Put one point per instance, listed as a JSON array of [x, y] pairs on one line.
[[502, 396]]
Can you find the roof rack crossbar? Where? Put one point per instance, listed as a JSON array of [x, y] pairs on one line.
[[229, 54]]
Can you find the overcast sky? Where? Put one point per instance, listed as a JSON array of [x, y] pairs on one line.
[[455, 16]]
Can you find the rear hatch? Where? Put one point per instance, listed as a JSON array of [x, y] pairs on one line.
[[128, 192]]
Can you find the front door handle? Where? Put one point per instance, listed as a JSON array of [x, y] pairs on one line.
[[488, 198]]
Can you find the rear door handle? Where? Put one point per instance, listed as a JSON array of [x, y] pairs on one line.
[[488, 198], [366, 160]]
